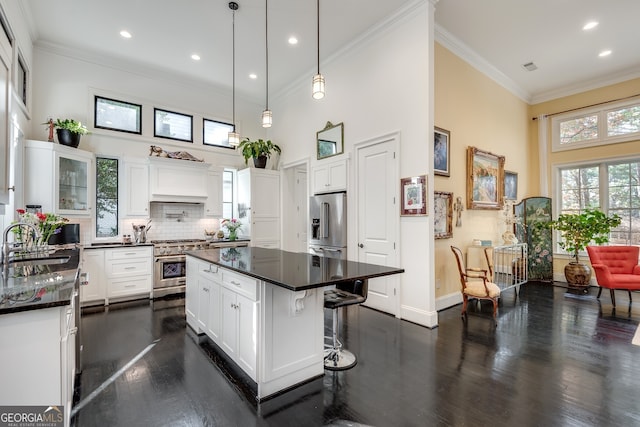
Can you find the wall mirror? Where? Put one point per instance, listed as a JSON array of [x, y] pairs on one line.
[[330, 140]]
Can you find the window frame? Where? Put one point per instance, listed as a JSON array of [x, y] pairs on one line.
[[603, 138], [210, 144], [95, 115], [603, 187], [156, 110], [118, 198]]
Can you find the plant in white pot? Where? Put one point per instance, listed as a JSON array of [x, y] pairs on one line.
[[259, 150], [577, 231], [69, 132]]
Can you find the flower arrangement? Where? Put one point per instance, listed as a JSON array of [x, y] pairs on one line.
[[47, 225], [233, 225]]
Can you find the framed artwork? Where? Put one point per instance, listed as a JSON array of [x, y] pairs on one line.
[[414, 195], [485, 179], [510, 185], [441, 144], [443, 215]]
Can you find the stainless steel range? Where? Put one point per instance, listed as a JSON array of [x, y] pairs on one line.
[[169, 261]]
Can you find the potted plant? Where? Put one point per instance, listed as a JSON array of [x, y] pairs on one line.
[[259, 150], [577, 231], [69, 132]]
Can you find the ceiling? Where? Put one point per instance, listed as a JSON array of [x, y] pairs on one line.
[[496, 36]]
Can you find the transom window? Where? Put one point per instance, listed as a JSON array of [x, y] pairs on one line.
[[612, 187], [608, 124], [216, 133]]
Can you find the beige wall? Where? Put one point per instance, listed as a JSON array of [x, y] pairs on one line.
[[480, 113], [581, 100]]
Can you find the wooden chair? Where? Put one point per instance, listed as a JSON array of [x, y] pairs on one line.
[[480, 290]]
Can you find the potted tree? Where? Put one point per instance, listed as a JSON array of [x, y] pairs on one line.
[[259, 150], [577, 231], [69, 132]]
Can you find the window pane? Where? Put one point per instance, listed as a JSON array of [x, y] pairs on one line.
[[580, 129], [118, 115], [623, 121], [580, 188], [173, 125], [106, 197], [22, 81], [216, 133]]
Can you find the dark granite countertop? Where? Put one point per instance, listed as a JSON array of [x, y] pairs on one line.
[[115, 245], [45, 286], [295, 271]]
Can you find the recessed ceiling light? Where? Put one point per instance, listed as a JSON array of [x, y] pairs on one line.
[[604, 53], [253, 76], [126, 34], [530, 66], [293, 40], [590, 25], [195, 57]]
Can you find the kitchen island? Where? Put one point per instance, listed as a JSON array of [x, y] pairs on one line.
[[263, 309]]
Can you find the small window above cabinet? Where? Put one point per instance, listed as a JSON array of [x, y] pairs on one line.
[[329, 176], [59, 178]]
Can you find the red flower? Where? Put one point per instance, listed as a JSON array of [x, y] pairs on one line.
[[21, 211], [41, 216], [41, 292]]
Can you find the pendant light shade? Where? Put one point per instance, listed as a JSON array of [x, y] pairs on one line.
[[267, 115], [233, 137], [317, 85]]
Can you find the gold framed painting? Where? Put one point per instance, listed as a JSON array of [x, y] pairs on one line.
[[485, 179], [443, 215]]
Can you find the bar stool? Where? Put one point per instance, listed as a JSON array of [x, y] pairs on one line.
[[336, 358]]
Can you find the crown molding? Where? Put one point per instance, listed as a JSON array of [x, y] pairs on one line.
[[470, 56]]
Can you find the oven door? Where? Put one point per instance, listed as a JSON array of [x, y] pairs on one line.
[[169, 274]]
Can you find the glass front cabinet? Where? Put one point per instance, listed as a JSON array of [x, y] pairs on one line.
[[59, 178]]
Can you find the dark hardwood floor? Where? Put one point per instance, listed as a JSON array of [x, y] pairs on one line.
[[554, 358]]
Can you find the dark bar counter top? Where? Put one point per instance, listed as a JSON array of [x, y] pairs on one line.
[[39, 286], [295, 271]]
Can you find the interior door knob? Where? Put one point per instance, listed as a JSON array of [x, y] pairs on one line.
[[360, 245]]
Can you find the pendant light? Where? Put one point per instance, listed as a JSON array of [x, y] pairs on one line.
[[317, 85], [234, 137], [267, 115]]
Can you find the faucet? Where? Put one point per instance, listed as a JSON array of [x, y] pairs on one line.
[[6, 249]]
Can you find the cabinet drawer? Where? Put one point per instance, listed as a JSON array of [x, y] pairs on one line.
[[128, 253], [240, 284], [129, 286], [210, 271], [128, 267]]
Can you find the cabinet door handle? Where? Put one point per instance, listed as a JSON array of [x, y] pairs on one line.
[[235, 283], [205, 289], [129, 286], [73, 331], [129, 268]]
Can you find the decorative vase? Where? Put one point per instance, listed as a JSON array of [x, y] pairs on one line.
[[260, 162], [68, 138], [233, 235], [578, 275]]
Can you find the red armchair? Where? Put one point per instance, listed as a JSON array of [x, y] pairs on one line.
[[616, 267]]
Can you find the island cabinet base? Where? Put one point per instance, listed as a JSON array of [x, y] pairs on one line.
[[274, 335]]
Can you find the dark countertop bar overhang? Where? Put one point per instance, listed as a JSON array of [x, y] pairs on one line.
[[295, 271]]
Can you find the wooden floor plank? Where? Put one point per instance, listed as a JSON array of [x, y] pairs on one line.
[[554, 358]]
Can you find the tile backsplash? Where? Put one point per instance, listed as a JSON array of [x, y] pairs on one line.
[[168, 221]]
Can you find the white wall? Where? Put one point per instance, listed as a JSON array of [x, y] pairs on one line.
[[379, 86], [64, 85]]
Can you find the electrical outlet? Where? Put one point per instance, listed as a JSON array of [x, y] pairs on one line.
[[437, 283]]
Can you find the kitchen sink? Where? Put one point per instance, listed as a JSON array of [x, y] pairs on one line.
[[45, 260]]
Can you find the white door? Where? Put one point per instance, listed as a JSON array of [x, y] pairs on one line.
[[377, 217], [301, 209]]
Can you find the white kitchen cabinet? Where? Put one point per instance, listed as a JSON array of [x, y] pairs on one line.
[[259, 199], [329, 176], [5, 66], [129, 272], [202, 299], [40, 359], [239, 296], [136, 188], [68, 188], [192, 293], [174, 180], [213, 204], [92, 278]]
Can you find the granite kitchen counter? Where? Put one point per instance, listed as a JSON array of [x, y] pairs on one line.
[[295, 271], [34, 287]]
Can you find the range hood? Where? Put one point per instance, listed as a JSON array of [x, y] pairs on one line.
[[177, 181]]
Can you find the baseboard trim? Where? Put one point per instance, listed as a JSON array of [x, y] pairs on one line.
[[421, 317], [449, 300]]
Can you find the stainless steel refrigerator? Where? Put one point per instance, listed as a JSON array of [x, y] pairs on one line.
[[328, 221]]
